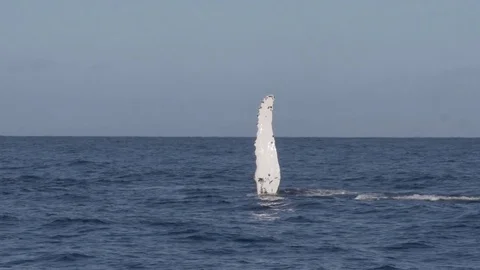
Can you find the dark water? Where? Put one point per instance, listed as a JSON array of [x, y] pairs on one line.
[[190, 203]]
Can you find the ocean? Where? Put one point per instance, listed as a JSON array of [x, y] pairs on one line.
[[191, 203]]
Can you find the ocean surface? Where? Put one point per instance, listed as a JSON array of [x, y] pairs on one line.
[[190, 203]]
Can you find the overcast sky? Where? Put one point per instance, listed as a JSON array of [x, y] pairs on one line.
[[200, 68]]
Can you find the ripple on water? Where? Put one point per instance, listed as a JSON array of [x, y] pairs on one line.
[[68, 257], [409, 245], [63, 222], [299, 219], [46, 259], [386, 267]]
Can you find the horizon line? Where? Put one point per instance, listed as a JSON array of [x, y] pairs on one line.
[[218, 136]]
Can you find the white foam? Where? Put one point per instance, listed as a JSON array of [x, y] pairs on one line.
[[272, 207], [418, 197], [327, 192], [370, 197], [271, 199], [435, 198], [266, 216], [267, 174]]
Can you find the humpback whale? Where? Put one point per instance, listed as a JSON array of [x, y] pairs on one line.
[[267, 174]]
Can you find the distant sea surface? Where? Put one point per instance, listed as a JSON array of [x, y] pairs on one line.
[[190, 203]]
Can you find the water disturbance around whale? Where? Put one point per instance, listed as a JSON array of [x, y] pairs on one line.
[[267, 174]]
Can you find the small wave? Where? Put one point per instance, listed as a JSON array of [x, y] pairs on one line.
[[70, 221], [142, 174], [65, 180], [385, 267], [207, 176], [299, 219], [194, 235], [318, 192], [370, 197], [12, 168], [87, 163], [254, 207], [270, 202], [218, 251], [70, 196], [419, 197], [327, 192], [80, 162], [5, 217], [64, 236], [271, 198], [200, 237], [265, 216], [309, 204], [409, 245], [185, 231], [435, 198], [63, 257], [166, 223], [330, 248], [69, 257], [29, 177], [256, 240], [5, 192]]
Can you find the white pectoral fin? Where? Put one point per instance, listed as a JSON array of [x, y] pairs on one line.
[[267, 174]]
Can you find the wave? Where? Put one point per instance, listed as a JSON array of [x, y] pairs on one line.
[[200, 238], [70, 221], [256, 239], [328, 192], [86, 163], [418, 197], [436, 198], [409, 245], [27, 177], [299, 219], [62, 257], [8, 218], [135, 175], [265, 216], [319, 192], [80, 162], [385, 267], [368, 197], [70, 257], [377, 196], [12, 168]]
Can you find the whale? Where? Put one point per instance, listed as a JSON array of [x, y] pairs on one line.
[[267, 174]]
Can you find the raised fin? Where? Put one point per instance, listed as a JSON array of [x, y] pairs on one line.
[[267, 174]]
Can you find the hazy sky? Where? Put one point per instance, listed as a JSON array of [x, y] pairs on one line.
[[200, 68]]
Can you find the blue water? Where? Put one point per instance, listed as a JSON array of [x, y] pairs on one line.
[[190, 203]]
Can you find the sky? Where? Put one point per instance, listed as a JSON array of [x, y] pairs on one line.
[[200, 68]]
